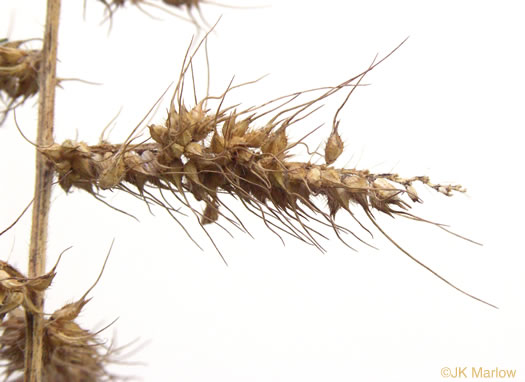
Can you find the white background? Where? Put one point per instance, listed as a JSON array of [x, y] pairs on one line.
[[448, 104]]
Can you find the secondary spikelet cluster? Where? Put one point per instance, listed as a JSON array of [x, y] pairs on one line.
[[16, 289], [19, 70], [71, 353]]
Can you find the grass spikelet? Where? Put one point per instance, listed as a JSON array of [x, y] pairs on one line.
[[209, 152], [19, 69], [334, 146], [16, 289]]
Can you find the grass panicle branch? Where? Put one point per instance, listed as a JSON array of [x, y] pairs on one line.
[[208, 153]]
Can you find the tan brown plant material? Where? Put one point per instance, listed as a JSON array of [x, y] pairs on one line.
[[189, 5], [208, 153], [19, 70], [71, 353], [15, 288]]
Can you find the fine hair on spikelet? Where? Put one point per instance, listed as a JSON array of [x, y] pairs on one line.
[[208, 153], [166, 6]]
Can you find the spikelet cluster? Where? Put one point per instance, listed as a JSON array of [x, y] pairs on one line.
[[71, 353], [191, 154], [16, 289], [208, 153], [19, 69]]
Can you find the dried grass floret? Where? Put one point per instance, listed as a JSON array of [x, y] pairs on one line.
[[19, 70], [208, 153]]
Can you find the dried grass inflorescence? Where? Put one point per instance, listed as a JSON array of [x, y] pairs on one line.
[[71, 353], [208, 153], [19, 70]]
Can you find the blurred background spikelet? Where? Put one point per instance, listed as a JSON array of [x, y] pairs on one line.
[[19, 70]]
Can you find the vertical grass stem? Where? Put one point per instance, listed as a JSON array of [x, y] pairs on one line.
[[43, 183]]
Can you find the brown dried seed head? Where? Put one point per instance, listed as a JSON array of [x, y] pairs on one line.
[[176, 150], [174, 118], [193, 149], [41, 283], [356, 183], [211, 214], [158, 133], [384, 190], [241, 127], [445, 190], [255, 138], [228, 125], [10, 55], [313, 177], [53, 152], [330, 177], [197, 113], [217, 144], [10, 301], [279, 179], [15, 288], [184, 137], [11, 292], [70, 353], [19, 70], [244, 156], [334, 146], [358, 189], [411, 191], [70, 311], [248, 162], [191, 171], [113, 172], [276, 143]]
